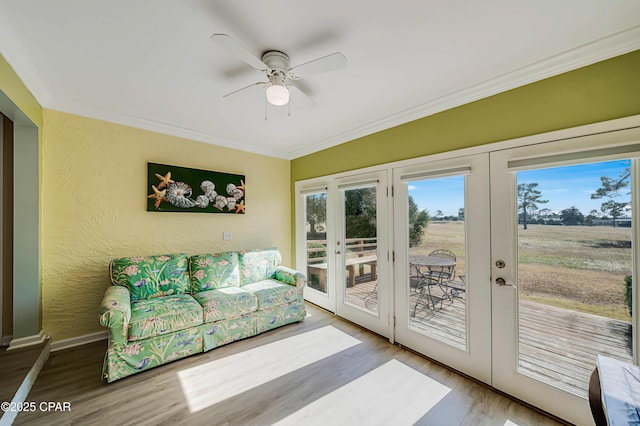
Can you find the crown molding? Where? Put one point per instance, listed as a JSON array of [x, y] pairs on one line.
[[605, 48], [16, 56], [164, 128]]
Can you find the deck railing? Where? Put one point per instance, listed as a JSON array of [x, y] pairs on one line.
[[355, 247]]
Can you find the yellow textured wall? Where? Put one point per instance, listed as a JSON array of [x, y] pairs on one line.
[[95, 179]]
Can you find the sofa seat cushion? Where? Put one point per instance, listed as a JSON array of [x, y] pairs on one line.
[[163, 315], [224, 303], [271, 293]]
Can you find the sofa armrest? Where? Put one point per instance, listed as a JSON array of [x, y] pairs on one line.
[[291, 277], [115, 313]]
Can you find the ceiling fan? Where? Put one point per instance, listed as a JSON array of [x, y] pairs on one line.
[[281, 77]]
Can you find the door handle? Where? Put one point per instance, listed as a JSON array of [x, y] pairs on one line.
[[502, 283]]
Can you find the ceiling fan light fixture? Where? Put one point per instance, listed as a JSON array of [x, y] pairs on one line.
[[277, 94]]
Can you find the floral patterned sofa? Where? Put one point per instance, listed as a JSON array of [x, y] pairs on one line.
[[163, 308]]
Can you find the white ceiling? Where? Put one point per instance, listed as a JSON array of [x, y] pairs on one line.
[[151, 63]]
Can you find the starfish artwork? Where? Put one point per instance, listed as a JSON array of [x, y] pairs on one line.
[[183, 189], [165, 180], [159, 195]]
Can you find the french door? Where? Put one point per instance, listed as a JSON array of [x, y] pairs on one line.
[[362, 251], [345, 250], [563, 249], [441, 243], [515, 266]]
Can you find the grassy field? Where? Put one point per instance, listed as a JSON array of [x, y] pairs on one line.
[[574, 267]]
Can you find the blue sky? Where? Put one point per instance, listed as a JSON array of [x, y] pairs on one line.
[[562, 186]]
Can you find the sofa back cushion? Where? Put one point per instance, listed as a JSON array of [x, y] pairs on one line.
[[152, 276], [258, 265], [212, 271]]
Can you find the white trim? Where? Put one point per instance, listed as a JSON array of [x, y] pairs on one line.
[[2, 337], [72, 342], [553, 160], [164, 128], [635, 274], [311, 191], [23, 342], [454, 171], [359, 184], [599, 50], [22, 393]]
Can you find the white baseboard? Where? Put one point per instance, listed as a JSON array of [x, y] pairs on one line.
[[6, 340], [59, 345], [7, 418], [23, 342]]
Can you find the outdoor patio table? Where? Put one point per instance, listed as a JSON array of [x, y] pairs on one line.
[[434, 270]]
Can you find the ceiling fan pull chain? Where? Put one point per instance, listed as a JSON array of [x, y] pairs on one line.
[[265, 108]]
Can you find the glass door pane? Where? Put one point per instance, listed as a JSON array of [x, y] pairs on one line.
[[574, 271], [436, 236], [361, 247], [442, 262], [362, 251], [316, 240], [562, 236]]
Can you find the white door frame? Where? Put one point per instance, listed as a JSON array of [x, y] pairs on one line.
[[325, 300], [589, 133], [504, 164], [2, 337], [379, 322], [475, 360]]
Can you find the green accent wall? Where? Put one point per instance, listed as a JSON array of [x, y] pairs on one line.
[[599, 92]]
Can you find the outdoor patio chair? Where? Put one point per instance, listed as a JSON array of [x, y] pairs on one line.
[[437, 269]]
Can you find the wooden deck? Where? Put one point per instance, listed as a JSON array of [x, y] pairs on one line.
[[557, 346]]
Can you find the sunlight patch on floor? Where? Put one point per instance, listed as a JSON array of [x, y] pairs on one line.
[[215, 381], [392, 394]]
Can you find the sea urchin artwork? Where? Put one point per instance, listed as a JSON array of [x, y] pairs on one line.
[[182, 189]]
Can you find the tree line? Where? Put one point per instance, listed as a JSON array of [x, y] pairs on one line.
[[611, 189]]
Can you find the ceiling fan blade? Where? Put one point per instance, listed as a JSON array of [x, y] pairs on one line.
[[235, 48], [327, 63], [245, 91], [299, 99]]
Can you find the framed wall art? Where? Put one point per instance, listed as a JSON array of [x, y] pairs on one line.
[[182, 189]]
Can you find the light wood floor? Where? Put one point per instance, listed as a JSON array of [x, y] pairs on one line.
[[14, 366], [157, 397]]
